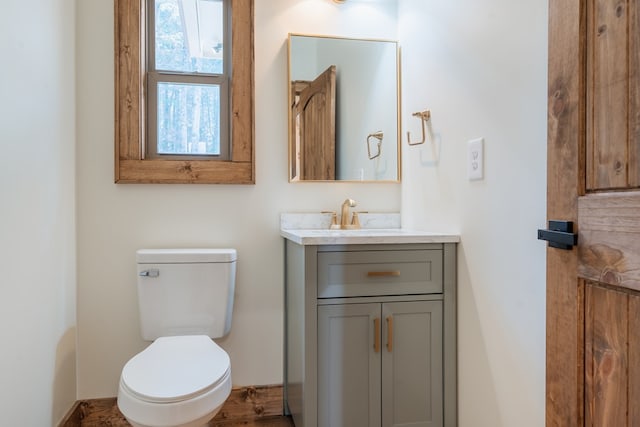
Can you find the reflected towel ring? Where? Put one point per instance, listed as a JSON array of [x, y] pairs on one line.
[[424, 116], [379, 135]]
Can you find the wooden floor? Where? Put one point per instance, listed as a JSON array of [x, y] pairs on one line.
[[264, 422], [246, 406], [118, 420], [109, 415]]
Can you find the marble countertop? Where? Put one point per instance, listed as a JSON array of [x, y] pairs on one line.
[[313, 229], [366, 236]]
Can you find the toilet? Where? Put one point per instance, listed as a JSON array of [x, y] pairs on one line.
[[185, 298]]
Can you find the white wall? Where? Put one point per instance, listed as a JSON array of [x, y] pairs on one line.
[[480, 66], [37, 214], [115, 220]]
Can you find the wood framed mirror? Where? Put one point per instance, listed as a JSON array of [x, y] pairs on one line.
[[344, 109]]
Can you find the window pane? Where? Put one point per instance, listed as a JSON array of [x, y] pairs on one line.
[[188, 119], [189, 36]]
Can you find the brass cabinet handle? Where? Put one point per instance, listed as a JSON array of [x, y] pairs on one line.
[[389, 334], [376, 332], [394, 273]]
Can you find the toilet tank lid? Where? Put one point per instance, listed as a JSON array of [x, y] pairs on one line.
[[169, 256]]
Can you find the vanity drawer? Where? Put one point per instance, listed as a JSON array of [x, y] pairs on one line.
[[373, 273]]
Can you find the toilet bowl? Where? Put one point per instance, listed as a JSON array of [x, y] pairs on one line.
[[185, 298], [176, 381]]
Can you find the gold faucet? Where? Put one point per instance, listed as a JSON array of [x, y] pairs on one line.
[[344, 218]]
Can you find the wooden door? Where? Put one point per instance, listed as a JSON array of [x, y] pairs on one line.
[[349, 365], [412, 368], [314, 127], [593, 302]]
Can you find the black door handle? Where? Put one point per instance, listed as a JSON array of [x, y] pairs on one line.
[[559, 235]]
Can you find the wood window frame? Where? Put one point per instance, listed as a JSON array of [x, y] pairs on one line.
[[131, 166]]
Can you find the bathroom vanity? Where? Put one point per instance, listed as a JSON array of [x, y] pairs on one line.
[[370, 327]]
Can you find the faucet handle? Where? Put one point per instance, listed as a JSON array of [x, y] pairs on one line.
[[355, 221], [334, 219]]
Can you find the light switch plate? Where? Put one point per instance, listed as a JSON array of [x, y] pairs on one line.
[[475, 159]]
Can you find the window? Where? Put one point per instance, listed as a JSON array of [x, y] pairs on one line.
[[184, 98], [187, 81]]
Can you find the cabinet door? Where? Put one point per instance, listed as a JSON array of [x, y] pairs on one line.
[[349, 365], [412, 380]]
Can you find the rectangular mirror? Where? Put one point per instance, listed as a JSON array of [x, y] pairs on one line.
[[344, 109]]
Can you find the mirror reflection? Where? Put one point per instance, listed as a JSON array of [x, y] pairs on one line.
[[344, 109]]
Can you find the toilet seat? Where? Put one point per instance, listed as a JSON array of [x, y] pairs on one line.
[[174, 369], [176, 381]]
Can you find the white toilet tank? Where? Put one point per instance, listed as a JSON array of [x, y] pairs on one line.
[[185, 291]]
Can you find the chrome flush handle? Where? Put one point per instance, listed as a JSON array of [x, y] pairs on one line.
[[154, 272]]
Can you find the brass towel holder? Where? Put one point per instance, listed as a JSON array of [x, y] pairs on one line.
[[379, 135], [424, 117]]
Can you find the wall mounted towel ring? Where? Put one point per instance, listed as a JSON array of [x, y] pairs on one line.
[[424, 116]]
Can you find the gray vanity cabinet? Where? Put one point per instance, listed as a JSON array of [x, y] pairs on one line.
[[380, 364], [370, 335], [349, 375], [412, 374]]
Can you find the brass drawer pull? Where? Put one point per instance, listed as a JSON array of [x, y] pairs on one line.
[[395, 273], [389, 334], [376, 332]]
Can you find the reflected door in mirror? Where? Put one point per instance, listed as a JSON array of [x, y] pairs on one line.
[[314, 127]]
